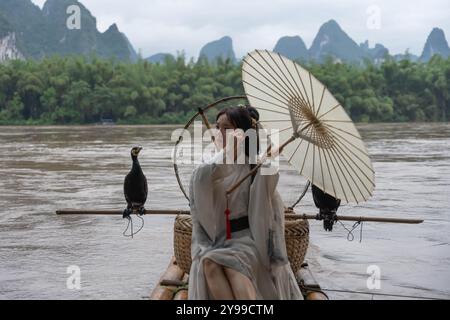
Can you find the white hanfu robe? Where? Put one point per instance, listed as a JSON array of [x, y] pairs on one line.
[[258, 252]]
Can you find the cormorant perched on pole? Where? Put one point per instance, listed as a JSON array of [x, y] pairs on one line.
[[327, 205], [135, 187]]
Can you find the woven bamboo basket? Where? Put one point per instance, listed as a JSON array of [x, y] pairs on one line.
[[296, 236]]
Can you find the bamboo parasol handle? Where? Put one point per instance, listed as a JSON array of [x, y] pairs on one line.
[[255, 169]]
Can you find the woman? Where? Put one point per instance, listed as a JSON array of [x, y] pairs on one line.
[[253, 263]]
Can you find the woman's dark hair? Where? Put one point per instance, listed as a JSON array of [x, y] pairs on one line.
[[243, 117]]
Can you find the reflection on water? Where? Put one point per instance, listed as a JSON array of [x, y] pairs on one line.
[[47, 168]]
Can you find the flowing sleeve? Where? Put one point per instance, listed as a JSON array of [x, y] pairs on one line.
[[202, 203], [266, 217]]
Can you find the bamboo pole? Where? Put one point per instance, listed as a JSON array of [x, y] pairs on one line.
[[289, 213], [105, 212], [173, 273], [182, 294], [358, 218]]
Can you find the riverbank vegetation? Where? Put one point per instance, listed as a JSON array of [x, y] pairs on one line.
[[79, 90]]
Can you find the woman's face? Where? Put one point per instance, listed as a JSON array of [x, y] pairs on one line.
[[223, 124]]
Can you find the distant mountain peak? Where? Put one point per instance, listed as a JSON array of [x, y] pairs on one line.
[[222, 48], [292, 47], [113, 28], [45, 32], [437, 32], [160, 58], [436, 44], [376, 54], [332, 41], [331, 24]]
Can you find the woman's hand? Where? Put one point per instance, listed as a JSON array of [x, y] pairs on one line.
[[233, 148], [274, 152]]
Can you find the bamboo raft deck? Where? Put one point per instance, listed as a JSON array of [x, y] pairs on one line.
[[173, 284]]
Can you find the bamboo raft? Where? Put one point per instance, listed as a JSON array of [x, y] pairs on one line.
[[173, 284]]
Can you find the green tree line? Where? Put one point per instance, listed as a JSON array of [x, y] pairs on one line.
[[80, 90]]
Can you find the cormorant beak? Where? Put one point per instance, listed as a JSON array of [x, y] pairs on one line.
[[139, 149]]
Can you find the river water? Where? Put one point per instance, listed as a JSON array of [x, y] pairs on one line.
[[43, 169]]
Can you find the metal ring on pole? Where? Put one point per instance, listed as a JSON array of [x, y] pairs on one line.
[[188, 124], [201, 112]]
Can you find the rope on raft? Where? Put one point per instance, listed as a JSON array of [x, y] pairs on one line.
[[130, 224], [350, 235]]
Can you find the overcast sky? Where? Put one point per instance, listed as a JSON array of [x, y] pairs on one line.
[[171, 25]]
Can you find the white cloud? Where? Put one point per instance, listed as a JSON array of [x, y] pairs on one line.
[[172, 25]]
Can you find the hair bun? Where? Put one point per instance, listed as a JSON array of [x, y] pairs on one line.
[[253, 112]]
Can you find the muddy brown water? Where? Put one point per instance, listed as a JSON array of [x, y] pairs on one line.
[[43, 169]]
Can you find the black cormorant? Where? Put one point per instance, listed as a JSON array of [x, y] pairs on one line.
[[135, 187], [327, 205]]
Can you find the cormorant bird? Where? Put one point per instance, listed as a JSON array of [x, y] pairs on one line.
[[135, 187], [327, 205]]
